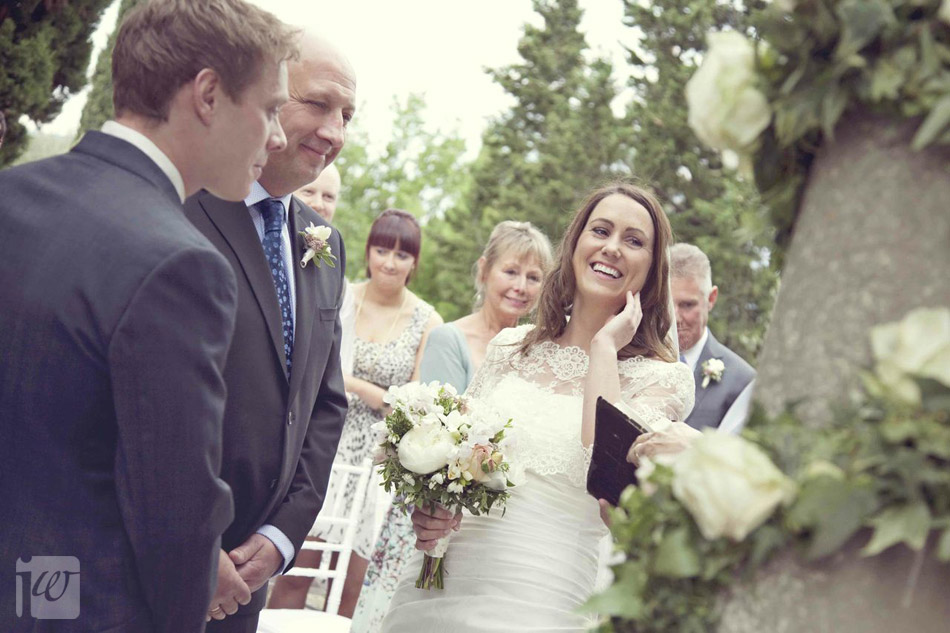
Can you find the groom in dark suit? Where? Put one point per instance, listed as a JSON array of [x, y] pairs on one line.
[[724, 381], [286, 403], [115, 320]]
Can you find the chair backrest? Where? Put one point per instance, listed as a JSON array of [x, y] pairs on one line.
[[346, 515]]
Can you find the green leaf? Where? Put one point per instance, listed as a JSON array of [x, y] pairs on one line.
[[904, 524], [676, 556], [766, 540], [861, 22], [929, 60], [943, 547], [934, 395], [832, 107], [624, 598], [886, 81], [935, 123], [833, 510]]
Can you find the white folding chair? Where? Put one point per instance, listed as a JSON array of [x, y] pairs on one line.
[[337, 513]]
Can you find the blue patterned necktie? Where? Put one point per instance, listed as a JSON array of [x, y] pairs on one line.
[[272, 210]]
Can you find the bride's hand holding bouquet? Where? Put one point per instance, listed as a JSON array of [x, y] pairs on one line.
[[439, 450]]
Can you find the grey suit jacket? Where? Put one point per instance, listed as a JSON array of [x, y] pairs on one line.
[[280, 432], [713, 401], [115, 319]]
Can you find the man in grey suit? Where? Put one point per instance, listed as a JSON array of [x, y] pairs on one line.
[[286, 403], [724, 381], [115, 319]]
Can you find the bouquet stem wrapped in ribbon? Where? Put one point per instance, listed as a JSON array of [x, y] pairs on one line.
[[437, 448]]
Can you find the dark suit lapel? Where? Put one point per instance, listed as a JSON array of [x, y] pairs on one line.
[[698, 371], [234, 222], [305, 281]]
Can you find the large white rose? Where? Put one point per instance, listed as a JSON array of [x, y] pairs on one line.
[[918, 345], [726, 110], [728, 485], [425, 449]]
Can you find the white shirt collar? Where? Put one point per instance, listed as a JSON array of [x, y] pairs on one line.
[[150, 149], [258, 193], [693, 353]]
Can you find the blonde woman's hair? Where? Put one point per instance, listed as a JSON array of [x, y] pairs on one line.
[[520, 240]]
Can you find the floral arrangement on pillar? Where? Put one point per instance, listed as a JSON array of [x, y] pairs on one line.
[[769, 103], [719, 510]]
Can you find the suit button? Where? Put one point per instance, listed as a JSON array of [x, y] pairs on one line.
[[273, 484], [290, 417]]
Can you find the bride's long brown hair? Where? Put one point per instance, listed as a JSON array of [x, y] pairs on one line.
[[557, 293]]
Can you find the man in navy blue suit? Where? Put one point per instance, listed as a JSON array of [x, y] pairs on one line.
[[116, 315]]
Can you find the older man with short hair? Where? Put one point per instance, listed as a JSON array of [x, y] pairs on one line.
[[724, 381], [286, 402]]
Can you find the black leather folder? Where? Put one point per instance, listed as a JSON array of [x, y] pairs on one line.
[[610, 472]]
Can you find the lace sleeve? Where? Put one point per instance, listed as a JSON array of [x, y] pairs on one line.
[[497, 360], [657, 390]]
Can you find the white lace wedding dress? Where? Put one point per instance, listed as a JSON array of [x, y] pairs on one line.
[[531, 568]]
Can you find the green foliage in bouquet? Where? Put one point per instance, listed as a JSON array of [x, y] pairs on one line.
[[822, 58], [884, 465], [414, 489]]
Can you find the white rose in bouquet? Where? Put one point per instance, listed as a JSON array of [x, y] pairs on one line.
[[425, 449], [918, 345], [726, 109], [729, 485]]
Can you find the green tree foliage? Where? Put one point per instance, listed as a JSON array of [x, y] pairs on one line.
[[538, 159], [420, 171], [44, 52], [98, 107], [708, 206]]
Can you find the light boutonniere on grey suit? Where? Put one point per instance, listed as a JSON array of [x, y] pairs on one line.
[[713, 370], [318, 248]]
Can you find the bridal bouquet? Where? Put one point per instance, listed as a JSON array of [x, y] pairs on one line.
[[439, 448]]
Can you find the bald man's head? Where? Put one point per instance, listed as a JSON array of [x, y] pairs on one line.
[[322, 194], [322, 86]]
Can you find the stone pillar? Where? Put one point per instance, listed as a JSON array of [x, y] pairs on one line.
[[871, 243]]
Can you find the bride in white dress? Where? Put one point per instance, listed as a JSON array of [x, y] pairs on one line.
[[530, 569]]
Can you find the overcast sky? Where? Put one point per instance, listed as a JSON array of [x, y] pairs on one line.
[[436, 47]]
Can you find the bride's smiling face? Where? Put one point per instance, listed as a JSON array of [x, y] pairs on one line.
[[614, 251]]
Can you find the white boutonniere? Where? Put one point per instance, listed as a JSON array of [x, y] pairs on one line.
[[315, 238], [713, 369]]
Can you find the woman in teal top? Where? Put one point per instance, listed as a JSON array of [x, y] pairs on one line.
[[446, 357], [508, 278]]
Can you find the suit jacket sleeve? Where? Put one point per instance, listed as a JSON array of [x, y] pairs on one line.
[[166, 359], [298, 510]]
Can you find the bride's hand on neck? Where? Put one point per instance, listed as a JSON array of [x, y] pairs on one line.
[[603, 378], [619, 329]]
